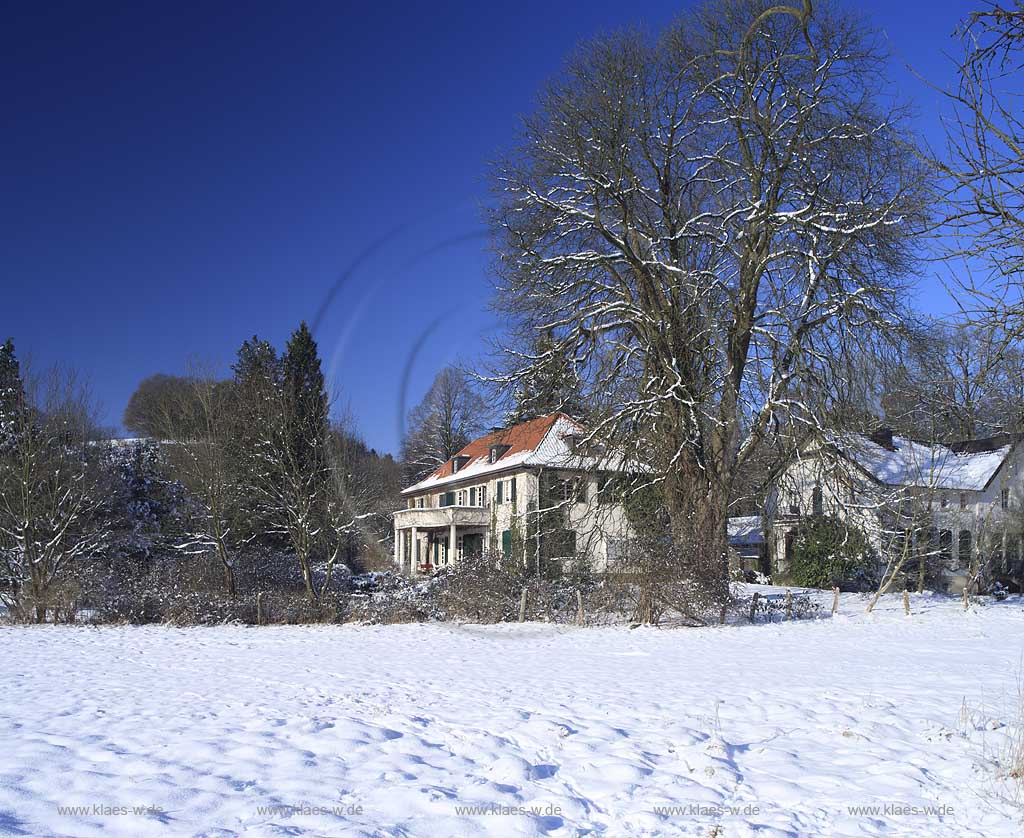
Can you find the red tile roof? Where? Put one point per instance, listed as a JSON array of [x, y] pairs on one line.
[[520, 438]]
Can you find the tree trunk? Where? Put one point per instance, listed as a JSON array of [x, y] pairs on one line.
[[697, 509], [229, 571], [307, 578]]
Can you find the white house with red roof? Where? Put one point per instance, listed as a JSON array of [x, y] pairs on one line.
[[533, 491]]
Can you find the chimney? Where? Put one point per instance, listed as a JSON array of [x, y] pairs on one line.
[[883, 436]]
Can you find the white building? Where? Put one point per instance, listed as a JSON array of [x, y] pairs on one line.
[[531, 491], [959, 503]]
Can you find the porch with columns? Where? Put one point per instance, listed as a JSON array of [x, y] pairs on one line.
[[426, 539]]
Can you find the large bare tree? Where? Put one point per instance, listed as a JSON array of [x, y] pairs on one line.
[[955, 381], [703, 220], [984, 163], [199, 451], [451, 414]]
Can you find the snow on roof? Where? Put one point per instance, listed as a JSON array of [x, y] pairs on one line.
[[539, 442], [745, 530], [912, 463]]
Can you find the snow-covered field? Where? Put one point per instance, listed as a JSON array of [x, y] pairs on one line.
[[770, 730]]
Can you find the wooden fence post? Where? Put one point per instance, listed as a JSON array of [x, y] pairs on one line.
[[835, 600], [789, 605], [906, 602], [753, 605], [522, 607], [579, 608]]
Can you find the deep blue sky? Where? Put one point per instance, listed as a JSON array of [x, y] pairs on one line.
[[177, 177]]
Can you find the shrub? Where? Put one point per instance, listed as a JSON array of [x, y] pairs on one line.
[[829, 553], [483, 589]]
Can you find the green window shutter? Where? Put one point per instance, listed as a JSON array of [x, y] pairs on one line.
[[513, 497], [506, 542], [472, 496], [498, 493]]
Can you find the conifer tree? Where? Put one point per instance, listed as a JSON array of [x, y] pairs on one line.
[[11, 391], [304, 395], [552, 387], [256, 402]]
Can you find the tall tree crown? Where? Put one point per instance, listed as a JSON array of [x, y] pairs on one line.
[[305, 395]]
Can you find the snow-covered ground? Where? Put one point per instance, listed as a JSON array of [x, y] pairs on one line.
[[769, 730]]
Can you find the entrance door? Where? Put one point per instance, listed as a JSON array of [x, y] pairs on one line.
[[473, 544]]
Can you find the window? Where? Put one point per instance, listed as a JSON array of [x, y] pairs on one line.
[[558, 543], [964, 548], [929, 545], [1004, 498], [483, 496], [420, 502], [558, 490], [943, 501], [1012, 552], [617, 550], [963, 500], [497, 452], [461, 498], [794, 503], [946, 546], [446, 499], [506, 491], [817, 501]]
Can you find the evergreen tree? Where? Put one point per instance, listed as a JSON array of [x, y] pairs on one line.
[[11, 391], [257, 363], [305, 398], [256, 405], [553, 385]]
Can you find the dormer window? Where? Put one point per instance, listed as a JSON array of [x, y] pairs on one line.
[[459, 462], [497, 452]]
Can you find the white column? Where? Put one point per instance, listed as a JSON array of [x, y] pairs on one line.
[[451, 543], [414, 553], [398, 547]]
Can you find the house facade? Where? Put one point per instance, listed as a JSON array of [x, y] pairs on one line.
[[531, 491], [954, 508]]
